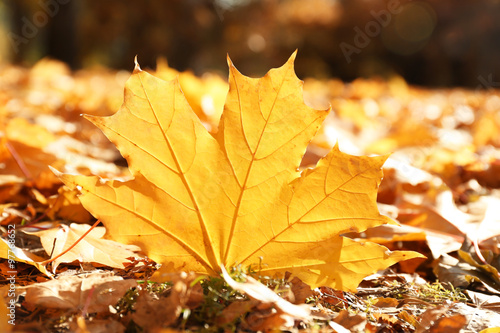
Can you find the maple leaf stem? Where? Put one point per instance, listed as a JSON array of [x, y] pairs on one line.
[[72, 246]]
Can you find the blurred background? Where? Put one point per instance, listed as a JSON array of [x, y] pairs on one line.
[[429, 43]]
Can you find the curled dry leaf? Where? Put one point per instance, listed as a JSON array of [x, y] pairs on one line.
[[437, 319], [97, 291], [199, 201], [92, 248]]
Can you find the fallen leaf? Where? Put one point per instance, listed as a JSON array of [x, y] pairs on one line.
[[478, 318], [406, 133], [265, 320], [386, 319], [332, 297], [22, 131], [92, 248], [407, 317], [491, 330], [462, 274], [93, 325], [12, 253], [350, 321], [235, 310], [431, 316], [197, 202], [10, 185], [5, 326], [66, 205], [301, 291], [97, 291], [484, 301], [27, 140], [386, 302], [78, 155], [451, 324]]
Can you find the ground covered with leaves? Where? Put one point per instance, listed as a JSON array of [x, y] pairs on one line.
[[139, 239]]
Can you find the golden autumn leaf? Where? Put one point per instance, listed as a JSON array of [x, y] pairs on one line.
[[198, 201], [205, 95]]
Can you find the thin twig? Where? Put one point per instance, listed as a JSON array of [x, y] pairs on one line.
[[72, 246]]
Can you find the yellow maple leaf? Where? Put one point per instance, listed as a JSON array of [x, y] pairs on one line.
[[205, 95], [198, 202]]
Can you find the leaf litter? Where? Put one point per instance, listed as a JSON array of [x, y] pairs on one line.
[[448, 155]]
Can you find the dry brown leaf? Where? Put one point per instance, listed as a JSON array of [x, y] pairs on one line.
[[93, 325], [350, 321], [235, 310], [301, 291], [451, 324], [92, 248], [436, 319], [97, 291], [386, 302]]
